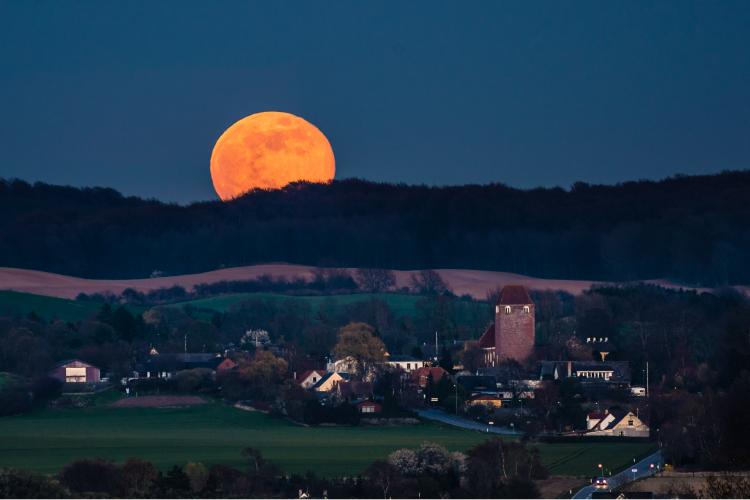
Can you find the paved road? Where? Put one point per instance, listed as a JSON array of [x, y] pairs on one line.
[[643, 469], [464, 423]]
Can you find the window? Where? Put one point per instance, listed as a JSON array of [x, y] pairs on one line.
[[408, 366], [630, 423], [507, 309], [526, 309]]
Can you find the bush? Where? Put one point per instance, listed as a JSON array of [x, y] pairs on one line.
[[24, 484], [98, 477]]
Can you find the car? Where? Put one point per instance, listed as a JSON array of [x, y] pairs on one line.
[[601, 483]]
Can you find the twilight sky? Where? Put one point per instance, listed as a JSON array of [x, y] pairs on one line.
[[133, 95]]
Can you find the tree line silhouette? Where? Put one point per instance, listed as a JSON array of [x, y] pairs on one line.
[[691, 229]]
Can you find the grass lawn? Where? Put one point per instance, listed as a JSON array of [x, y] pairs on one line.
[[400, 303], [212, 433]]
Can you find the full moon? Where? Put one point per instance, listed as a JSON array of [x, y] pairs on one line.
[[268, 151]]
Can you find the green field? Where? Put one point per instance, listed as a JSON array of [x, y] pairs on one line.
[[400, 303], [46, 307], [212, 433], [49, 308]]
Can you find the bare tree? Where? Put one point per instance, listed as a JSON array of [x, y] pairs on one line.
[[375, 280]]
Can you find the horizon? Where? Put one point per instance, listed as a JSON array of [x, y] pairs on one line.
[[568, 189]]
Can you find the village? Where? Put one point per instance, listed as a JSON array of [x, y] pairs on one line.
[[499, 381]]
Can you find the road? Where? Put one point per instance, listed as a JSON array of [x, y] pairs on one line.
[[643, 469], [464, 423]]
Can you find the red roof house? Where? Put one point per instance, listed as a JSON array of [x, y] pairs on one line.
[[369, 407], [421, 376]]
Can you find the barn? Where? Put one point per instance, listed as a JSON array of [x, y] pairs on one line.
[[75, 371]]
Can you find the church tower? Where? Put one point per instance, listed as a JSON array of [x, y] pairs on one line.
[[514, 324]]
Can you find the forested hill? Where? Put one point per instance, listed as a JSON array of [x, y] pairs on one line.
[[691, 229]]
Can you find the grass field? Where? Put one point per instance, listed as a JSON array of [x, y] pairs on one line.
[[212, 433], [400, 303], [49, 308], [46, 307]]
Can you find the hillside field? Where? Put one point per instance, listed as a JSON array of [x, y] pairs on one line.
[[46, 440], [50, 308]]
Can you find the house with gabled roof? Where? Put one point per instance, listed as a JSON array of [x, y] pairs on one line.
[[329, 381], [615, 423], [309, 378]]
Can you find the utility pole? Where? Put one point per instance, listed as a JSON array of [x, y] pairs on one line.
[[436, 346], [646, 378], [186, 343]]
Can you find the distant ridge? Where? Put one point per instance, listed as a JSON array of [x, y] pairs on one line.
[[462, 281]]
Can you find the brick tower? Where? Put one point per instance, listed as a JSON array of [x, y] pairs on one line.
[[514, 324]]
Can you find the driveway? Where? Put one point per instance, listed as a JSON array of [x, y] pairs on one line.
[[646, 467], [465, 423]]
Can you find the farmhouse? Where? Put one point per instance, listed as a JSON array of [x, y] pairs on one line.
[[75, 371], [309, 378], [329, 381], [615, 423], [166, 365], [406, 363], [512, 334]]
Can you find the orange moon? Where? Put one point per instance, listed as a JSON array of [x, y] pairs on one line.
[[268, 151]]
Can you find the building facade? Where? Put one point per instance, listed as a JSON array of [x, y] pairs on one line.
[[512, 334]]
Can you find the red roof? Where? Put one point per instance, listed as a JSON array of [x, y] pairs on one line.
[[226, 365], [514, 295], [487, 340], [421, 375], [378, 407]]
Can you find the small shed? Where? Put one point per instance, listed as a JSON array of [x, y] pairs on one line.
[[75, 371], [369, 407]]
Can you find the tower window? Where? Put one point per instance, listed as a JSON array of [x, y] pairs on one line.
[[526, 309], [507, 309]]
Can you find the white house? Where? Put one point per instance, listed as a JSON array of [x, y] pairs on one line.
[[310, 378], [406, 363], [615, 423]]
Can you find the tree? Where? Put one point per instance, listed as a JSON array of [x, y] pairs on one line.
[[98, 477], [258, 377], [358, 341], [382, 474], [472, 356], [500, 469], [375, 280], [429, 282], [197, 474], [139, 478], [23, 484]]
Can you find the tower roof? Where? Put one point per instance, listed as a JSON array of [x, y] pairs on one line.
[[514, 295]]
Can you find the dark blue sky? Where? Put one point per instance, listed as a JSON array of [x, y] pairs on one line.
[[133, 95]]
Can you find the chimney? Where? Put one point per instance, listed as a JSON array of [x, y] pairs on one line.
[[570, 369]]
